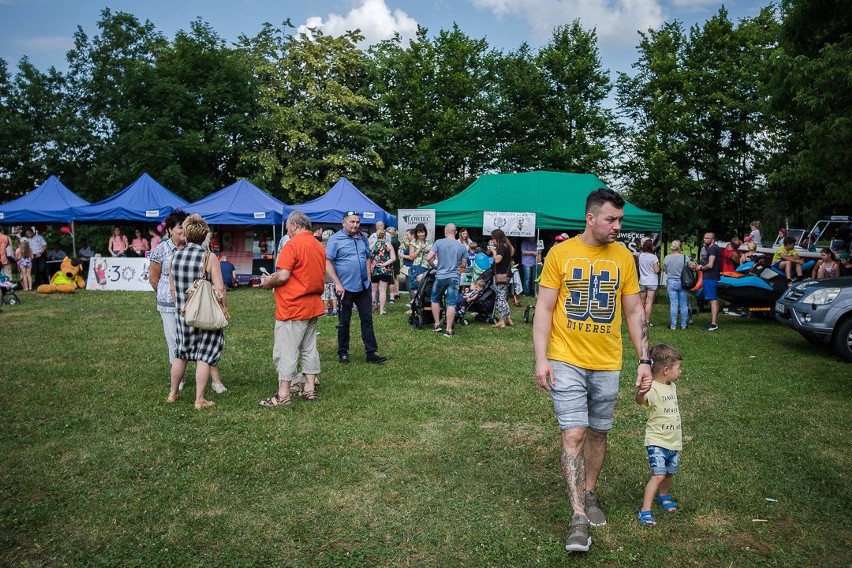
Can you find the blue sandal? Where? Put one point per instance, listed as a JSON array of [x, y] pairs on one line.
[[646, 519], [667, 504]]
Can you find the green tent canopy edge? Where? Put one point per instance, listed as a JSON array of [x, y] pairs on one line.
[[557, 198]]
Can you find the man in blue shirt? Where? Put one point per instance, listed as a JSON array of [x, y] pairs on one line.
[[228, 272], [347, 264], [448, 256]]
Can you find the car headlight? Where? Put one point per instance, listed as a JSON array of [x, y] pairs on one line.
[[821, 296]]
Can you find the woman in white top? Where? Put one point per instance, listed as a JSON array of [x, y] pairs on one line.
[[649, 277]]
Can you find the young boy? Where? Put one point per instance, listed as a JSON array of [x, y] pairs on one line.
[[662, 432], [476, 290]]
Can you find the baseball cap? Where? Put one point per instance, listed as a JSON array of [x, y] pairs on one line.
[[561, 237]]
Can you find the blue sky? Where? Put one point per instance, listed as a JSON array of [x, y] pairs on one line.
[[42, 30]]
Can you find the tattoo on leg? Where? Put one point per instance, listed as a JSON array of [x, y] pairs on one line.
[[574, 473]]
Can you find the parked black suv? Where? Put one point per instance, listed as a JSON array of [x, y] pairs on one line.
[[821, 310]]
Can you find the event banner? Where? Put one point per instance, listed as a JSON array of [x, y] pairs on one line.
[[408, 219], [513, 224], [118, 273]]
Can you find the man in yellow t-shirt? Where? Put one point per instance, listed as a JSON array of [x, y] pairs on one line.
[[586, 283]]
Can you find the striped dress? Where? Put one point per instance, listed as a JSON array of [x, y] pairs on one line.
[[193, 344]]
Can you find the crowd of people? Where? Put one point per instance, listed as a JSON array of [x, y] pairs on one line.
[[589, 284]]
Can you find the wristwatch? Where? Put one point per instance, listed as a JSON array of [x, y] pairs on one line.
[[646, 362]]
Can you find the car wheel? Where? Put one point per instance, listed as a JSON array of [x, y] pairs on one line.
[[843, 340]]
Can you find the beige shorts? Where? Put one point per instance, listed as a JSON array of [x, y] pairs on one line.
[[295, 340]]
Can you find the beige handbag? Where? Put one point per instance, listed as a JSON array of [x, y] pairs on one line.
[[204, 308]]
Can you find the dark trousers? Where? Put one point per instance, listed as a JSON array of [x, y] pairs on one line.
[[39, 271], [362, 300]]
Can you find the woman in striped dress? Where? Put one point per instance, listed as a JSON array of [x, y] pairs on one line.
[[193, 344]]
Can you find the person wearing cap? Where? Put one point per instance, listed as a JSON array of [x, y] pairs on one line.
[[348, 264]]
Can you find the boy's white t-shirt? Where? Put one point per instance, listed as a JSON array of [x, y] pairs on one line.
[[663, 427]]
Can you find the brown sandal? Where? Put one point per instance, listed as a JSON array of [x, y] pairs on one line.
[[204, 403], [173, 397], [310, 395], [276, 400]]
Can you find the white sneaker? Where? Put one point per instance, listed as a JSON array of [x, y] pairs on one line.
[[219, 388], [180, 386]]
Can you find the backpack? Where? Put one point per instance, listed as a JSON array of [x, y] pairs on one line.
[[688, 276]]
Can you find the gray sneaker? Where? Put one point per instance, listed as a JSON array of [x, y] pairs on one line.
[[578, 539], [593, 510]]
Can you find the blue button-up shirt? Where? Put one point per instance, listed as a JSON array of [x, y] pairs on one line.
[[349, 255]]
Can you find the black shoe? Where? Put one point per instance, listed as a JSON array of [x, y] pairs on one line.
[[344, 358], [375, 358]]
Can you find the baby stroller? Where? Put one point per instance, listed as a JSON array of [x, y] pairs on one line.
[[483, 306], [421, 304], [7, 292]]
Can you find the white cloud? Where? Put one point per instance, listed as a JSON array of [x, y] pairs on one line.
[[695, 3], [616, 21], [372, 17]]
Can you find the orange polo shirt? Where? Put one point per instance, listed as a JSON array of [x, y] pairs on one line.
[[300, 298]]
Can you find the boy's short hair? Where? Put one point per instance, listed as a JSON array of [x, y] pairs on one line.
[[663, 355]]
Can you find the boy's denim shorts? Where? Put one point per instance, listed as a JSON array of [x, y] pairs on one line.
[[663, 461], [583, 398]]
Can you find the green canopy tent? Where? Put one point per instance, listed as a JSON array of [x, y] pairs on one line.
[[558, 199]]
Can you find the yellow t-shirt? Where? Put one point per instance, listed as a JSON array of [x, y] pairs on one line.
[[663, 427], [777, 256], [586, 328]]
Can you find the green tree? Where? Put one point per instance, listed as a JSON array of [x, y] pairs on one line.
[[576, 126], [813, 101], [313, 117], [108, 80], [176, 110], [699, 135], [32, 112], [437, 106]]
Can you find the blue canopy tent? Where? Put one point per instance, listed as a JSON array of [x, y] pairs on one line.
[[343, 197], [51, 202], [144, 201], [241, 203]]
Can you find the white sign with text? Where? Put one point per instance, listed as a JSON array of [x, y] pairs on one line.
[[409, 218], [118, 273], [511, 223]]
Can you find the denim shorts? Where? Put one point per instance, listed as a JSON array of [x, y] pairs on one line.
[[662, 461], [450, 285], [583, 398]]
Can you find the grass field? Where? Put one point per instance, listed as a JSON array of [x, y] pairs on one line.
[[448, 455]]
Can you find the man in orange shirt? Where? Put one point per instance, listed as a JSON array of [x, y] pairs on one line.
[[299, 283]]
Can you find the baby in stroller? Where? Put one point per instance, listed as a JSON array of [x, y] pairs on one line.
[[7, 287], [476, 290], [480, 300]]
